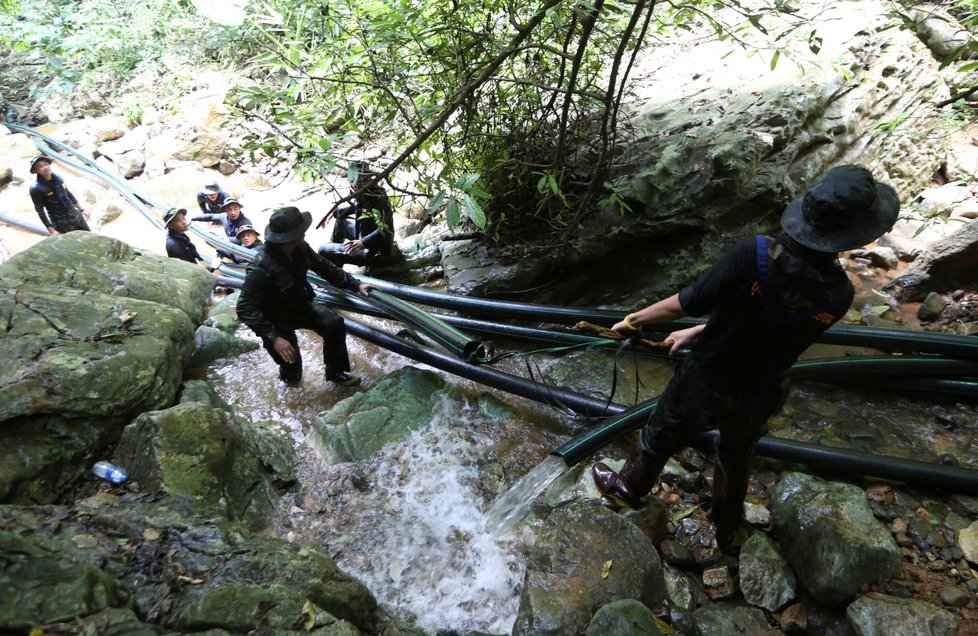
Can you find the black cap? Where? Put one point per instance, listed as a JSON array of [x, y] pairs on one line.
[[286, 225]]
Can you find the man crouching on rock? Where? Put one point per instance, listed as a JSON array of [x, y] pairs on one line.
[[276, 299], [768, 299]]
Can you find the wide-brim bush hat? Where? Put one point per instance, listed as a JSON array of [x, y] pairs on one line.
[[843, 209], [172, 214], [212, 187], [228, 202], [287, 224], [37, 160], [244, 228]]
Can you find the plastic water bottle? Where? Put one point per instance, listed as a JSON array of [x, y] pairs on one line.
[[110, 472]]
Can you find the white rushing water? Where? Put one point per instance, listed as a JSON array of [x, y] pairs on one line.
[[430, 555]]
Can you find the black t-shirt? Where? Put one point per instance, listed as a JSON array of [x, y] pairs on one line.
[[768, 300]]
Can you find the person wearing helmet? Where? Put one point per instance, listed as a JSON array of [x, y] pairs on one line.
[[54, 203], [211, 198], [364, 230], [768, 299]]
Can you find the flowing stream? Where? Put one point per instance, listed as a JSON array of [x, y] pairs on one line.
[[437, 525]]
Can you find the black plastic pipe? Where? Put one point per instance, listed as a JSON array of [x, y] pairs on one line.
[[464, 346], [886, 339]]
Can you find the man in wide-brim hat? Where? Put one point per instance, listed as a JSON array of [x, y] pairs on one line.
[[276, 299], [768, 299]]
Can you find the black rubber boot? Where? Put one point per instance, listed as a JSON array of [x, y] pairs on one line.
[[731, 473], [634, 481]]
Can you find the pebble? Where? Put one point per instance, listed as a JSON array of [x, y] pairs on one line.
[[955, 597], [718, 583], [794, 618]]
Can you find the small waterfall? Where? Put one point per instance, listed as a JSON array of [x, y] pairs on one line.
[[515, 503]]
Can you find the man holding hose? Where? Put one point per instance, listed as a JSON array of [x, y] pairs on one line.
[[768, 299]]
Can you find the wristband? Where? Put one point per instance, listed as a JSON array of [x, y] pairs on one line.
[[630, 325]]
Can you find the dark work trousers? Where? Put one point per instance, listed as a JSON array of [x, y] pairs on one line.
[[333, 251], [694, 403], [333, 332], [70, 223]]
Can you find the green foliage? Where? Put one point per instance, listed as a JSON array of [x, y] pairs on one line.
[[82, 41], [505, 111]]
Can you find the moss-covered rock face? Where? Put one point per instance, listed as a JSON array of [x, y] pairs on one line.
[[389, 411], [195, 449], [112, 560], [94, 263], [93, 333]]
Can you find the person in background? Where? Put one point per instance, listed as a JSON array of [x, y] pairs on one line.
[[276, 299], [54, 203], [248, 237], [211, 198], [178, 244], [230, 217], [364, 230], [768, 299]]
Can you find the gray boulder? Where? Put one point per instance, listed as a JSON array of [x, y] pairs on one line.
[[881, 615], [211, 343], [94, 334], [585, 557], [949, 264], [830, 537]]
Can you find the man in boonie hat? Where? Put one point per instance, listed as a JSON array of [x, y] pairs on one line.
[[54, 203], [768, 299], [211, 198], [178, 244], [230, 217], [276, 299]]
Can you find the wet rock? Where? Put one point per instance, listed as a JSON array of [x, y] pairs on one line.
[[399, 404], [684, 590], [626, 617], [794, 619], [718, 583], [756, 514], [211, 344], [881, 615], [186, 573], [585, 557], [676, 554], [727, 619], [932, 307], [854, 548], [766, 580], [202, 392], [198, 450], [953, 596], [593, 373], [884, 257], [968, 542]]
